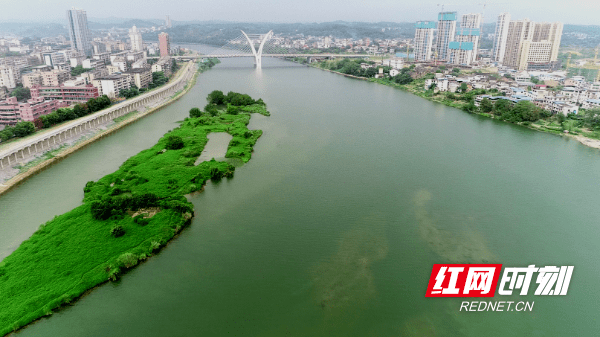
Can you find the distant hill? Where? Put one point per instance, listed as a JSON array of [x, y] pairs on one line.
[[33, 29], [217, 32], [123, 24]]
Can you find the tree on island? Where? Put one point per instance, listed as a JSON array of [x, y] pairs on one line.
[[216, 97], [211, 109], [174, 143], [195, 112]]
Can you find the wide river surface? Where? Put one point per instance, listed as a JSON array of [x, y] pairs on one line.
[[353, 192]]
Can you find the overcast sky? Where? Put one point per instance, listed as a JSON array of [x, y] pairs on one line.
[[573, 12]]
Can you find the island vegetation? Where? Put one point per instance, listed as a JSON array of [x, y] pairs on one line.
[[126, 216]]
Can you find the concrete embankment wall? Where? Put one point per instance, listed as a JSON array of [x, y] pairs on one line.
[[21, 154], [47, 141]]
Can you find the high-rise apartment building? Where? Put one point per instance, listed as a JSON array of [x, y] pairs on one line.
[[500, 37], [464, 48], [446, 27], [164, 44], [8, 77], [78, 31], [137, 44], [168, 22], [531, 45], [424, 40]]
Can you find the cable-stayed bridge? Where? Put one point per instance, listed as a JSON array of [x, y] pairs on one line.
[[264, 45]]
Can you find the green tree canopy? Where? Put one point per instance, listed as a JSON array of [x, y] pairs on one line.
[[21, 93], [195, 112], [486, 105], [174, 143], [216, 97], [23, 129]]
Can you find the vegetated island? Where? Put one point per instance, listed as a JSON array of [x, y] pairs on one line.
[[126, 216], [584, 127]]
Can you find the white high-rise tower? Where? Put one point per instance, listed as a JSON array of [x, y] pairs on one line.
[[466, 43], [78, 31], [136, 39], [500, 37], [424, 40], [446, 28]]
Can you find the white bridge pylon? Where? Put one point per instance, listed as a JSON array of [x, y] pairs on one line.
[[262, 38]]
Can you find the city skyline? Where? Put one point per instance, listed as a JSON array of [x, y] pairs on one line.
[[287, 11]]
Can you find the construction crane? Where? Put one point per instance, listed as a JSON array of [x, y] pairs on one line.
[[484, 4], [446, 5]]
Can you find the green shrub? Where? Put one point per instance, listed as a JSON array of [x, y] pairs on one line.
[[140, 220], [117, 231], [192, 153], [154, 245], [88, 186], [127, 260], [174, 143], [195, 112]]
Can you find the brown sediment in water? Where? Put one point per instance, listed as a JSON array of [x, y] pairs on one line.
[[346, 278], [465, 246]]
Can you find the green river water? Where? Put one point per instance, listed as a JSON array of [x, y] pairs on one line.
[[353, 192]]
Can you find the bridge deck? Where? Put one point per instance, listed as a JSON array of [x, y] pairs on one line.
[[268, 55]]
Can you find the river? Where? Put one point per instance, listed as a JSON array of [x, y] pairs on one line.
[[353, 192]]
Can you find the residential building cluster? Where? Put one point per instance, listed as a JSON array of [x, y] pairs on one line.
[[557, 94], [519, 44], [61, 71]]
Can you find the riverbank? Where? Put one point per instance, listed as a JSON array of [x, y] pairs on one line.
[[64, 151], [540, 125], [126, 217]]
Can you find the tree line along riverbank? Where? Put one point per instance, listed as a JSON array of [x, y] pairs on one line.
[[126, 216], [585, 126]]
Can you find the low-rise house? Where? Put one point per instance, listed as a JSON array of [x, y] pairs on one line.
[[93, 64], [441, 84], [563, 108], [31, 79], [396, 63], [65, 66], [453, 86], [55, 77], [591, 104], [516, 91], [112, 85], [12, 112], [66, 93], [140, 64], [121, 63], [140, 77], [522, 77], [163, 64]]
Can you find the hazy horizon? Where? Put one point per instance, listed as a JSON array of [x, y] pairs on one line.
[[285, 11]]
